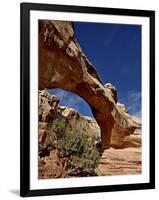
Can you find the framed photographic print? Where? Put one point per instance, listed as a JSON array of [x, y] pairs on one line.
[[87, 99]]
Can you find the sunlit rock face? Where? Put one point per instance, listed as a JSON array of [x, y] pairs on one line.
[[62, 64]]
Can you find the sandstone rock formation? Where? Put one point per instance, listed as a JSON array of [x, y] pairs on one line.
[[126, 137], [62, 64], [52, 166], [112, 90], [120, 162]]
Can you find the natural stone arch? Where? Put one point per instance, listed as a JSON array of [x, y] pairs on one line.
[[62, 64]]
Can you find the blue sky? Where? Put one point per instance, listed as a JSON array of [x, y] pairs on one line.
[[115, 51]]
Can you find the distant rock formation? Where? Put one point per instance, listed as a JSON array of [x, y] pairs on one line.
[[62, 64], [50, 110]]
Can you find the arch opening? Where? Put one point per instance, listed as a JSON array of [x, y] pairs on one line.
[[71, 100]]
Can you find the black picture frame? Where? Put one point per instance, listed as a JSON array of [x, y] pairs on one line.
[[25, 9]]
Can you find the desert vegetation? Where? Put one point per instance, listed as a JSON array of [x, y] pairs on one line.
[[76, 152]]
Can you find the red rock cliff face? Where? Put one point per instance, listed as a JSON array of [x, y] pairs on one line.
[[62, 64]]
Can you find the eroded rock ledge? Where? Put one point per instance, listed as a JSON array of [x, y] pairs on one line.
[[62, 64]]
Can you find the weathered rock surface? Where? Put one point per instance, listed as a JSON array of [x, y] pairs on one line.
[[47, 106], [112, 91], [62, 64], [52, 166], [120, 162], [129, 137]]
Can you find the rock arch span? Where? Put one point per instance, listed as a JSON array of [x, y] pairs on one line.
[[62, 64]]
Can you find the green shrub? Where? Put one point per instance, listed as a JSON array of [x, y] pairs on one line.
[[75, 144]]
